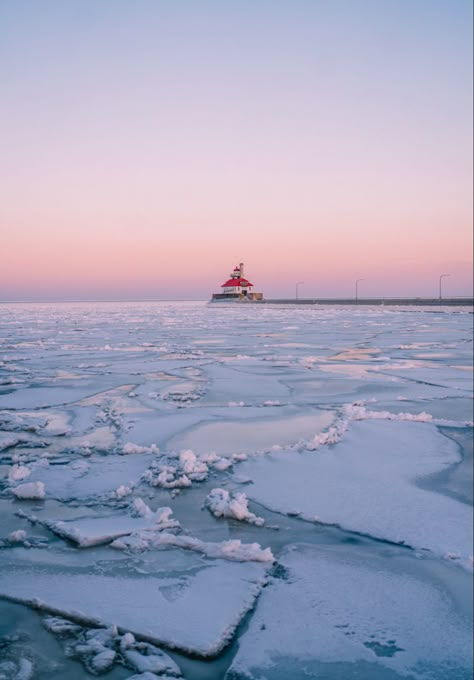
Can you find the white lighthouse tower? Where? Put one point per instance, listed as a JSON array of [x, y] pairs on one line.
[[237, 288]]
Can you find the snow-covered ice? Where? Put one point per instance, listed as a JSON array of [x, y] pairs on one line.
[[367, 483], [333, 613], [281, 491], [87, 532], [175, 599]]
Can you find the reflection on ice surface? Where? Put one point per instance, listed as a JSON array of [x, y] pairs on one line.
[[246, 436], [160, 463]]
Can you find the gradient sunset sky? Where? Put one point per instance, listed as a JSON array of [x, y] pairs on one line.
[[148, 146]]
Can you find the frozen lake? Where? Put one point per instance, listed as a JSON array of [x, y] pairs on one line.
[[235, 491]]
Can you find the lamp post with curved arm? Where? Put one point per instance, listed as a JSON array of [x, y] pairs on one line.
[[298, 283], [357, 288], [442, 276]]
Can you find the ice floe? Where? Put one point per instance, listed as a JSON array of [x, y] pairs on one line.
[[97, 479], [331, 613], [91, 531], [368, 483], [185, 604]]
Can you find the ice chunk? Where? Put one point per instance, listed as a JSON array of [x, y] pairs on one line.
[[360, 412], [147, 675], [30, 490], [222, 464], [95, 648], [8, 441], [190, 465], [140, 508], [122, 491], [223, 504], [148, 658], [169, 473], [61, 627], [131, 448], [102, 661], [17, 536], [25, 670], [233, 549], [18, 472], [91, 531]]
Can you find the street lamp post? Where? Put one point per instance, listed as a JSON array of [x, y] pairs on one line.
[[298, 283], [440, 279], [357, 288]]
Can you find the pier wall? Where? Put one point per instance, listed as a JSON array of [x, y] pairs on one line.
[[419, 302]]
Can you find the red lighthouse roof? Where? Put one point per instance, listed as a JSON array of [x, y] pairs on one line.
[[238, 281]]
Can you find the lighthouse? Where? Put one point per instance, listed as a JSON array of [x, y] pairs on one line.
[[237, 288]]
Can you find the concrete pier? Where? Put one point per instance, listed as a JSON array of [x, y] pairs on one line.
[[418, 302]]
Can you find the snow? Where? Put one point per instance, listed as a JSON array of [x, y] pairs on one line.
[[127, 432]]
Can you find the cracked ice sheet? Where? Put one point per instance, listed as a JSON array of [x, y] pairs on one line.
[[92, 531], [48, 422], [91, 478], [367, 483], [232, 436], [231, 384], [158, 427], [358, 617], [44, 395], [177, 599], [439, 374]]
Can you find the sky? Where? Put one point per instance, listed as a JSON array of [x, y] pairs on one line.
[[149, 146]]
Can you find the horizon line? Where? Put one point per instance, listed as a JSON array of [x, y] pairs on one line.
[[312, 297]]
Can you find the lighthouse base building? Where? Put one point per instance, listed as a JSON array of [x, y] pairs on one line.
[[237, 288]]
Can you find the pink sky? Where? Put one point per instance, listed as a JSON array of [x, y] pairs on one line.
[[303, 141]]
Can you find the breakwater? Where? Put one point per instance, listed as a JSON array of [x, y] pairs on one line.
[[400, 301]]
